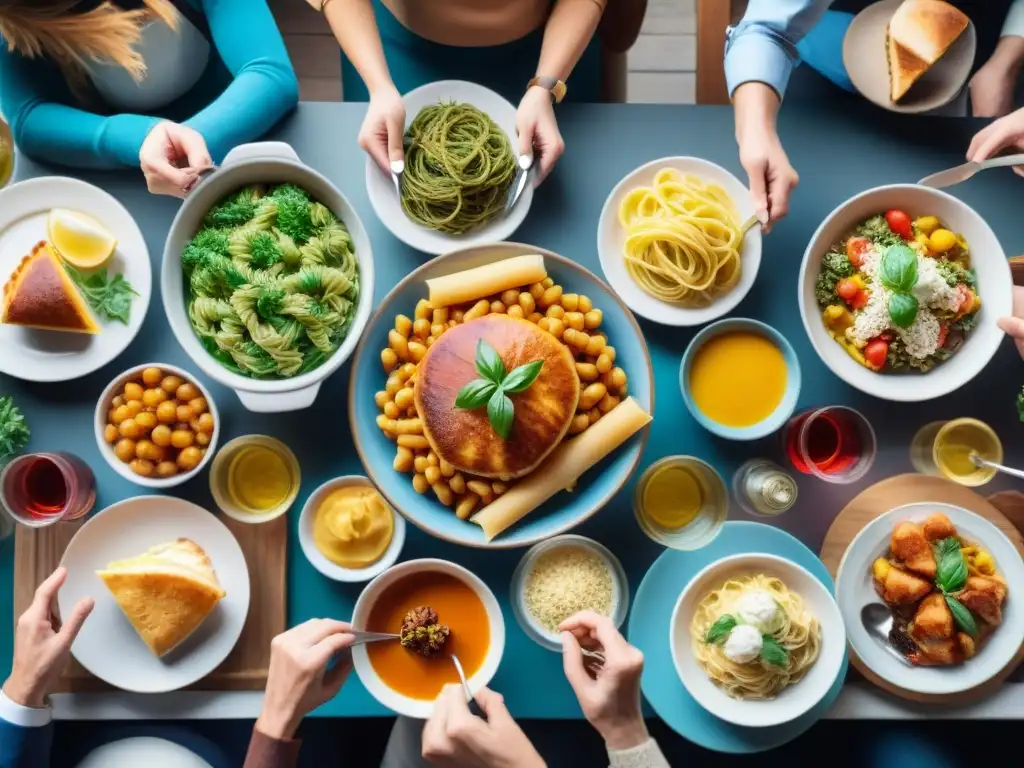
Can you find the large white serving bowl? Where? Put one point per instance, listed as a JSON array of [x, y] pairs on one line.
[[269, 162], [108, 646], [794, 700], [855, 589], [381, 189], [611, 237], [995, 287], [396, 702]]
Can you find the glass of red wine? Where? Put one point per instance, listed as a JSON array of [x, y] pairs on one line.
[[835, 443], [39, 489]]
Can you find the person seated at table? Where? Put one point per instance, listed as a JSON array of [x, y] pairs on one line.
[[166, 85], [41, 650], [523, 49], [299, 681], [764, 49]]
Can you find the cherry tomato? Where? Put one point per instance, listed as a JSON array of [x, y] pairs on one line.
[[855, 248], [966, 298], [847, 289], [876, 353], [860, 300], [886, 336], [899, 222], [943, 334]]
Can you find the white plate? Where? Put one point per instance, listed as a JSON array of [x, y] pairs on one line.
[[610, 238], [855, 589], [35, 355], [146, 751], [798, 698], [108, 645], [381, 188]]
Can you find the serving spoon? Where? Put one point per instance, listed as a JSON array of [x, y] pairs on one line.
[[361, 638], [877, 620], [981, 463]]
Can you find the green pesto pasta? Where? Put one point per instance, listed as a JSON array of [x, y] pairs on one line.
[[459, 165], [273, 282]]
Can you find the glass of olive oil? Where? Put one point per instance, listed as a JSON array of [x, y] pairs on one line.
[[681, 502], [945, 448]]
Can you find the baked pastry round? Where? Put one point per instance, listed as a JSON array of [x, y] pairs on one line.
[[543, 412]]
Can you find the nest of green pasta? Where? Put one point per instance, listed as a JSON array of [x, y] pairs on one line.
[[273, 282]]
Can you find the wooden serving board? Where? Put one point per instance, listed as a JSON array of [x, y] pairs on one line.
[[38, 551], [909, 489]]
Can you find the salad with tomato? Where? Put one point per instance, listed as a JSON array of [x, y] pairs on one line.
[[898, 292]]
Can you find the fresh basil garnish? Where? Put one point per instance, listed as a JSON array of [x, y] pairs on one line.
[[951, 568], [962, 616], [903, 309], [494, 387], [898, 270], [488, 362], [475, 394], [522, 377], [773, 653], [501, 412], [720, 630]]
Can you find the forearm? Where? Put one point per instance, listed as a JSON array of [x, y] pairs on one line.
[[1009, 55], [756, 108], [355, 29], [567, 34], [268, 752]]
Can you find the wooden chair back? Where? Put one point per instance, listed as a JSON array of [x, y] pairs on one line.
[[713, 16]]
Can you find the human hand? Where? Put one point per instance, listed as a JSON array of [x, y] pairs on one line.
[[172, 157], [382, 134], [1005, 133], [538, 131], [298, 681], [454, 736], [1014, 326], [42, 645], [611, 698]]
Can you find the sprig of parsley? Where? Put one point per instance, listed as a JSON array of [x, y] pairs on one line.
[[14, 432], [108, 296]]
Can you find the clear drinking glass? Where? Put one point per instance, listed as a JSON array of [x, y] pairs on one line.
[[835, 443], [39, 489]]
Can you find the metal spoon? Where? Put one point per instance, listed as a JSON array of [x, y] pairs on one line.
[[877, 620], [519, 182], [397, 169], [981, 463], [372, 637], [963, 172], [473, 706]]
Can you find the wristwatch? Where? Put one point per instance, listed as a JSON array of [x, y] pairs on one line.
[[552, 85]]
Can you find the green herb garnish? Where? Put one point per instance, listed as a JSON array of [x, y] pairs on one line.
[[108, 296], [835, 265], [1020, 404], [14, 432], [903, 309], [898, 273], [773, 653], [493, 388], [962, 616], [720, 629], [951, 568]]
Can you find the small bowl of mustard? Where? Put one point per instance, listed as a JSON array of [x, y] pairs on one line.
[[254, 479], [348, 531], [681, 502]]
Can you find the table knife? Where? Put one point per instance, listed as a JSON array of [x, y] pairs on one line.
[[963, 172]]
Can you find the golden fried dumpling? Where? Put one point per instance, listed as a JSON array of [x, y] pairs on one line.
[[40, 294], [465, 438], [166, 593]]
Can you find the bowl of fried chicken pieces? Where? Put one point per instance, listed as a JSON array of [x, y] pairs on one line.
[[950, 580]]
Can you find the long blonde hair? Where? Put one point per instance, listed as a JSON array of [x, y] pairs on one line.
[[51, 29]]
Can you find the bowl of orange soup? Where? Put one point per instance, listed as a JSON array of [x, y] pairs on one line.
[[402, 679], [740, 379]]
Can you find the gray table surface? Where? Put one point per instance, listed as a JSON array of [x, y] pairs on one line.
[[837, 155]]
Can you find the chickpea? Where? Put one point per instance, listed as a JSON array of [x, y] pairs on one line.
[[570, 301], [419, 483], [595, 345], [528, 303], [547, 282], [440, 316], [593, 415], [405, 397], [166, 469], [386, 425], [392, 411], [142, 467], [190, 457], [388, 359], [382, 398], [187, 391], [423, 310], [537, 290], [608, 403], [394, 383], [167, 412], [133, 391], [579, 423], [134, 407], [403, 325], [585, 304], [399, 343], [446, 468], [574, 320], [457, 483], [182, 438], [409, 426], [147, 420], [117, 402], [121, 413], [403, 460], [433, 475], [206, 423], [551, 295], [184, 413], [593, 319], [417, 351], [479, 309], [416, 442], [592, 395], [419, 464], [443, 493], [480, 488], [144, 449], [556, 328], [171, 383], [151, 398], [198, 405], [498, 487], [124, 449], [497, 308], [617, 378], [610, 351], [586, 371], [421, 328], [152, 377], [465, 506], [203, 439], [128, 428], [516, 311], [555, 311], [535, 318], [407, 371], [161, 435], [577, 339], [544, 324]]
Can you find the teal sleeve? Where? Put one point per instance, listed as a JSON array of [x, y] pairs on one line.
[[264, 87], [31, 96]]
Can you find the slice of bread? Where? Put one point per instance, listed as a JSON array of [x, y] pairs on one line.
[[919, 34]]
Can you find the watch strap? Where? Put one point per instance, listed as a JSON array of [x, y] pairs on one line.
[[552, 85]]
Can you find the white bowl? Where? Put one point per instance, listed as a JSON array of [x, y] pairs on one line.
[[855, 589], [331, 569], [610, 238], [396, 702], [264, 162], [795, 700], [381, 189], [995, 287], [107, 450]]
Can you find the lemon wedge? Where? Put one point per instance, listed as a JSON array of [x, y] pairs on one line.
[[81, 240]]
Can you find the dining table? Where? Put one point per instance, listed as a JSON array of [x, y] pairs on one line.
[[837, 153]]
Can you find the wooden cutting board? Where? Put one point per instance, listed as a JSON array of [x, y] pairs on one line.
[[909, 489], [38, 551]]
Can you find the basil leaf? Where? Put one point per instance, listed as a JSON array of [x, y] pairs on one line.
[[500, 411], [951, 571], [522, 377], [773, 653], [898, 270], [903, 309], [720, 629], [488, 362], [962, 616], [475, 394]]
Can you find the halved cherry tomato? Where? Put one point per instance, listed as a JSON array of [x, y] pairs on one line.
[[847, 289], [965, 298], [943, 334], [855, 248], [860, 300], [899, 222], [886, 336], [876, 353]]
